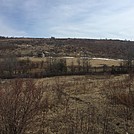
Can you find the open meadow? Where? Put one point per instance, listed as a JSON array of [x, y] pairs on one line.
[[98, 104]]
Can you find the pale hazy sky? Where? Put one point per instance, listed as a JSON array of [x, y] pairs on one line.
[[68, 18]]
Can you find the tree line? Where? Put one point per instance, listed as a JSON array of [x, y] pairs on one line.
[[12, 67]]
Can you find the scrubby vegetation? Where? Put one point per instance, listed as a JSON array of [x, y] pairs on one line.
[[75, 104], [21, 47]]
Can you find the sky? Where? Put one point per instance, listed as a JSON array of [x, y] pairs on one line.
[[101, 19]]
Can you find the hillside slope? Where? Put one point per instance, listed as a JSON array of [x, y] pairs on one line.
[[66, 47]]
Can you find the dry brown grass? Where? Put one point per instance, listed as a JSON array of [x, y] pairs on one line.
[[104, 62], [80, 105]]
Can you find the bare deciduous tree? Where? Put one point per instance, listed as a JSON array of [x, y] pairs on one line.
[[20, 103]]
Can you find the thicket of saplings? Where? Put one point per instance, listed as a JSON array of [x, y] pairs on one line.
[[12, 67], [40, 108]]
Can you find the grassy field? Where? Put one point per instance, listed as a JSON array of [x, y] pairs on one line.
[[84, 105], [93, 62]]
